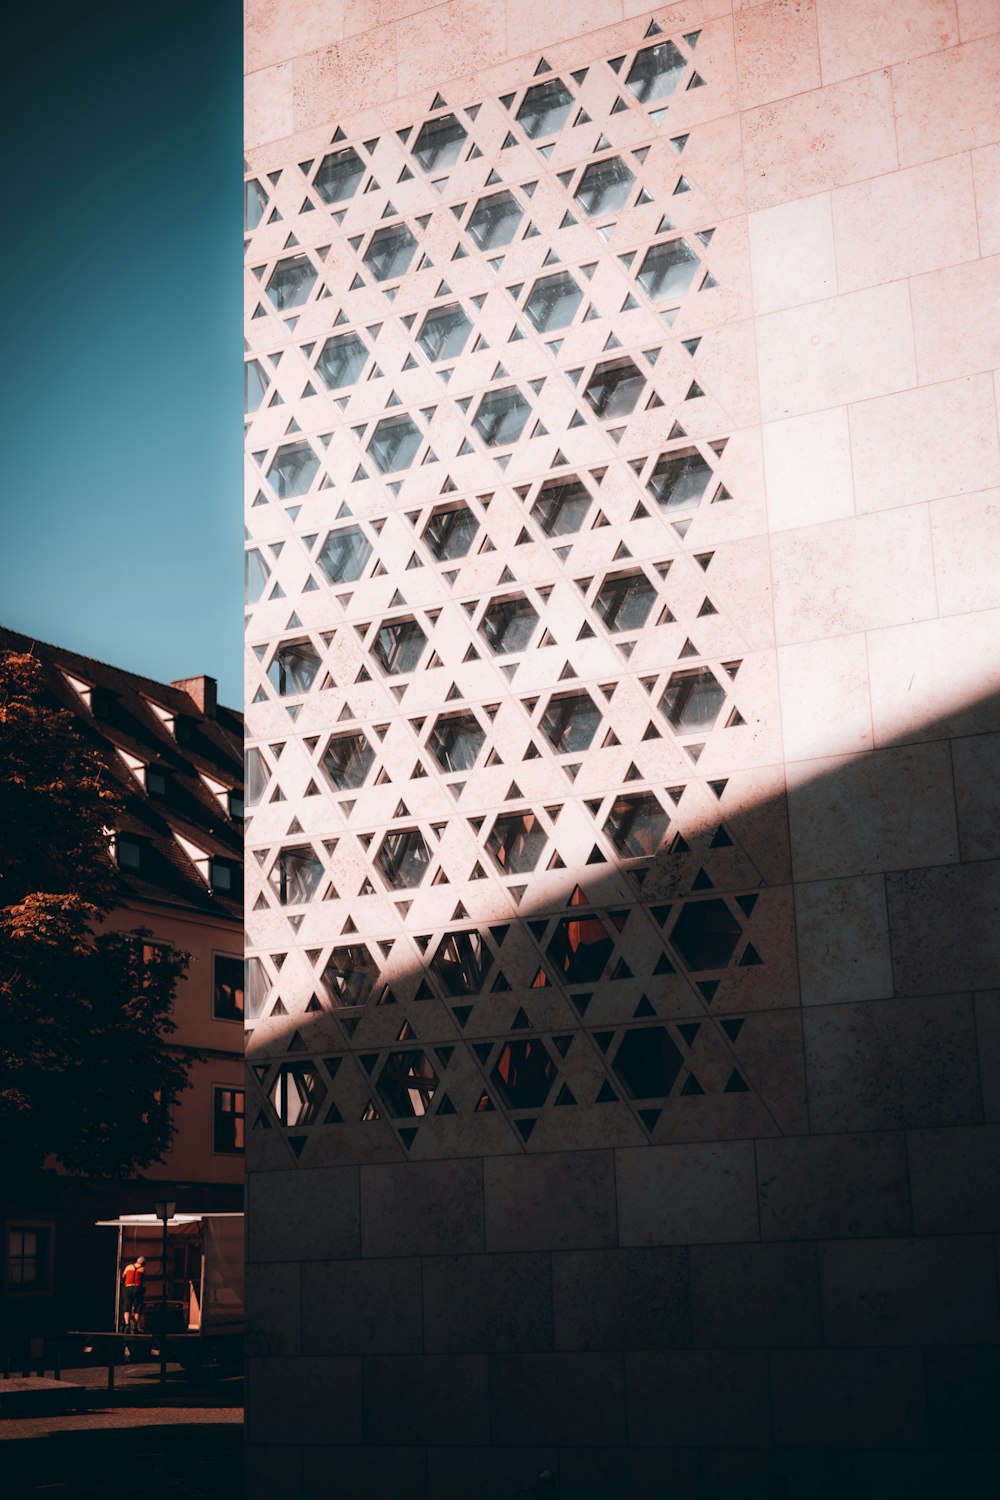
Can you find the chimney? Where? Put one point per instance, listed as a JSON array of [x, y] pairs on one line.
[[201, 690]]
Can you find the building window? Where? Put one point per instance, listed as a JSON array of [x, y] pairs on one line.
[[227, 1121], [29, 1259], [223, 876], [227, 1003], [156, 782], [128, 851], [235, 801]]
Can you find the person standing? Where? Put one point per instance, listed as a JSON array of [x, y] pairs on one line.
[[134, 1278]]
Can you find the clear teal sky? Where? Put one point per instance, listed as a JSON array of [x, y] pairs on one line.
[[120, 514]]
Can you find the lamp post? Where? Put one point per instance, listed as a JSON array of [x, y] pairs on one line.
[[164, 1212]]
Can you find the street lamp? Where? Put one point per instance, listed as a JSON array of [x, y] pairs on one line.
[[164, 1212]]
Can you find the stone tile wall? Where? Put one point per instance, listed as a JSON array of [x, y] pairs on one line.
[[720, 1218]]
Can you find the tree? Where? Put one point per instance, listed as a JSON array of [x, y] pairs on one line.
[[85, 1076]]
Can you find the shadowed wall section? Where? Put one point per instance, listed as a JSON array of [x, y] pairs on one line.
[[622, 680]]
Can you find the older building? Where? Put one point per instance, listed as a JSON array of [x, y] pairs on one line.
[[622, 659], [178, 756]]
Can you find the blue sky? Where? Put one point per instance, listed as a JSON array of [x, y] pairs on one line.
[[120, 517]]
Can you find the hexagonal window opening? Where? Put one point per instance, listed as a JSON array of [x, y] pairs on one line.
[[494, 220], [624, 601], [637, 825], [349, 976], [656, 72], [705, 935], [648, 1061], [679, 479], [344, 555], [508, 624], [544, 108], [407, 1084], [389, 252], [501, 417], [553, 302], [292, 471], [254, 204], [256, 574], [338, 175], [439, 142], [667, 271], [561, 506], [456, 741], [290, 282], [614, 388], [293, 667], [462, 963], [394, 444], [398, 646], [347, 760], [517, 842], [523, 1074], [295, 874], [604, 187], [692, 700], [341, 360], [403, 858], [570, 722], [297, 1094], [580, 948], [450, 532], [444, 332]]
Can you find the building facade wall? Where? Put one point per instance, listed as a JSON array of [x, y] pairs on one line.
[[623, 513]]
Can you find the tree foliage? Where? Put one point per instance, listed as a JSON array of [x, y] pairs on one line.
[[85, 1077]]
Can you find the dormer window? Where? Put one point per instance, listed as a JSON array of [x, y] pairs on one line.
[[128, 851], [157, 784], [223, 876], [183, 729], [101, 702], [236, 806]]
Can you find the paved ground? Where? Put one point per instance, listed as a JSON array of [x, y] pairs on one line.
[[182, 1443]]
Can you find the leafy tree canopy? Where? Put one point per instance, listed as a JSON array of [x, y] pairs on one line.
[[85, 1078]]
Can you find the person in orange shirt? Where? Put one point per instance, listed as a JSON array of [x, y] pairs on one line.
[[134, 1278]]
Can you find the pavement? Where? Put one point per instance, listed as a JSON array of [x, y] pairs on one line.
[[183, 1441]]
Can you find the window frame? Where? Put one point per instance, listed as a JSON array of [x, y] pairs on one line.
[[21, 1225], [241, 960], [235, 1115]]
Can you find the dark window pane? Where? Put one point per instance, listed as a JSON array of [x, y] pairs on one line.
[[524, 1074], [604, 187], [544, 108], [509, 624], [667, 271], [295, 875], [648, 1062], [692, 700], [403, 858], [705, 935], [561, 506], [637, 825], [350, 975], [439, 142], [406, 1085], [495, 220], [344, 554], [227, 1002], [501, 417], [399, 646], [656, 72], [347, 760], [624, 602], [450, 533], [580, 948], [571, 722], [614, 388], [394, 444], [516, 842], [462, 963], [456, 741], [553, 302], [228, 1121], [297, 1094], [339, 175], [679, 479], [341, 360], [291, 282], [293, 668], [444, 332], [292, 470], [390, 252]]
